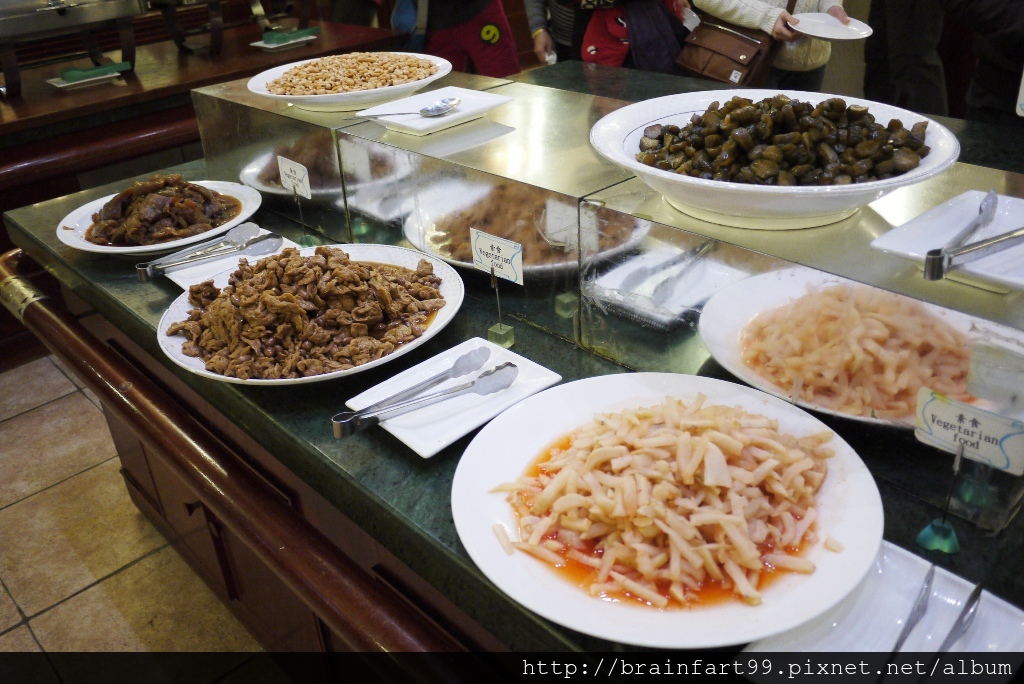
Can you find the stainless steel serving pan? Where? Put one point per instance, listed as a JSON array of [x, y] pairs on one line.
[[27, 18]]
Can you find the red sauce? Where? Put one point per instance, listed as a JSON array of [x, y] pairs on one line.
[[710, 593]]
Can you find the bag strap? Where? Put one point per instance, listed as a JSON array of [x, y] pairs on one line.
[[790, 6], [421, 16]]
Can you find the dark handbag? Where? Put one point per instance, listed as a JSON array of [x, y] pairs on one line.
[[720, 51]]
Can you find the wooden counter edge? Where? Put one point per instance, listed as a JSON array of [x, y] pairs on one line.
[[348, 601]]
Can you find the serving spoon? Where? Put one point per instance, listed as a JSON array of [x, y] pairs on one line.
[[438, 108]]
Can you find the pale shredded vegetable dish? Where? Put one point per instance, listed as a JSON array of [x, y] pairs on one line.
[[659, 503], [857, 350]]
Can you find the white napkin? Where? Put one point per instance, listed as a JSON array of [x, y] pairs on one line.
[[187, 277]]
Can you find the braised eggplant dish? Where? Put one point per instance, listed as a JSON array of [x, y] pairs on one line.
[[163, 208], [292, 316], [781, 141]]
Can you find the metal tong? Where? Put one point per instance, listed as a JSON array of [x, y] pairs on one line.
[[955, 253], [960, 626], [467, 363], [964, 620], [643, 282], [242, 239], [494, 380], [918, 611]]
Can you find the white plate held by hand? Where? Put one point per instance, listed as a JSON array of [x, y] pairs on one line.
[[72, 228], [824, 25], [849, 506]]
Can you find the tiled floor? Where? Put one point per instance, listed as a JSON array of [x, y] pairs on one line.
[[80, 568]]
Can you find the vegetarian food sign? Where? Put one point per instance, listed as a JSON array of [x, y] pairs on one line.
[[294, 177], [986, 437], [503, 258]]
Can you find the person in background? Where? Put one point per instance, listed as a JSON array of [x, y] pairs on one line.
[[477, 31], [638, 34], [358, 12], [800, 61], [998, 27], [901, 57], [552, 26]]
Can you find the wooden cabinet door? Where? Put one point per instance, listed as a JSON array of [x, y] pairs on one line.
[[195, 533]]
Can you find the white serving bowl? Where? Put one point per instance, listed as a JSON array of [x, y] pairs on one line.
[[617, 138], [341, 102]]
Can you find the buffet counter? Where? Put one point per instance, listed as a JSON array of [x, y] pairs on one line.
[[369, 498], [399, 502], [49, 136]]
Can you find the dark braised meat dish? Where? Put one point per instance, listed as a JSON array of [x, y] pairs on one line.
[[316, 152], [290, 316], [160, 209], [516, 211], [779, 141]]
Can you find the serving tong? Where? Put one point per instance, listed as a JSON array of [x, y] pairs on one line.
[[244, 238], [938, 262], [657, 282], [963, 621], [494, 380]]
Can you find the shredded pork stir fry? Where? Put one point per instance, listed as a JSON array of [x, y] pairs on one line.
[[857, 350], [290, 316], [659, 501]]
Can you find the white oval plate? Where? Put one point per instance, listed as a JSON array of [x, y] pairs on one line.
[[433, 205], [824, 25], [850, 510], [250, 175], [341, 102], [451, 287], [72, 228], [617, 138], [727, 313]]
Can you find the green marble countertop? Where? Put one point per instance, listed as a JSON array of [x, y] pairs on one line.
[[403, 501], [981, 144]]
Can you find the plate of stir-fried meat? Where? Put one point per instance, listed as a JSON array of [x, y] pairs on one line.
[[160, 214], [310, 314]]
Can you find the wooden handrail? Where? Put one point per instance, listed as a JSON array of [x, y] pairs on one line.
[[361, 612]]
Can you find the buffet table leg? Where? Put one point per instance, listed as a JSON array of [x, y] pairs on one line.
[[12, 76]]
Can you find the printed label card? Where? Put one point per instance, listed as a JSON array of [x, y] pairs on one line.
[[986, 437], [294, 177], [504, 256]]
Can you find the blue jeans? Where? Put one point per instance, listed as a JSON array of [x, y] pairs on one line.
[[795, 80]]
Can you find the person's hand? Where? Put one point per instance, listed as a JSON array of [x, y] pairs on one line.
[[543, 45], [781, 31], [678, 6], [839, 13]]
